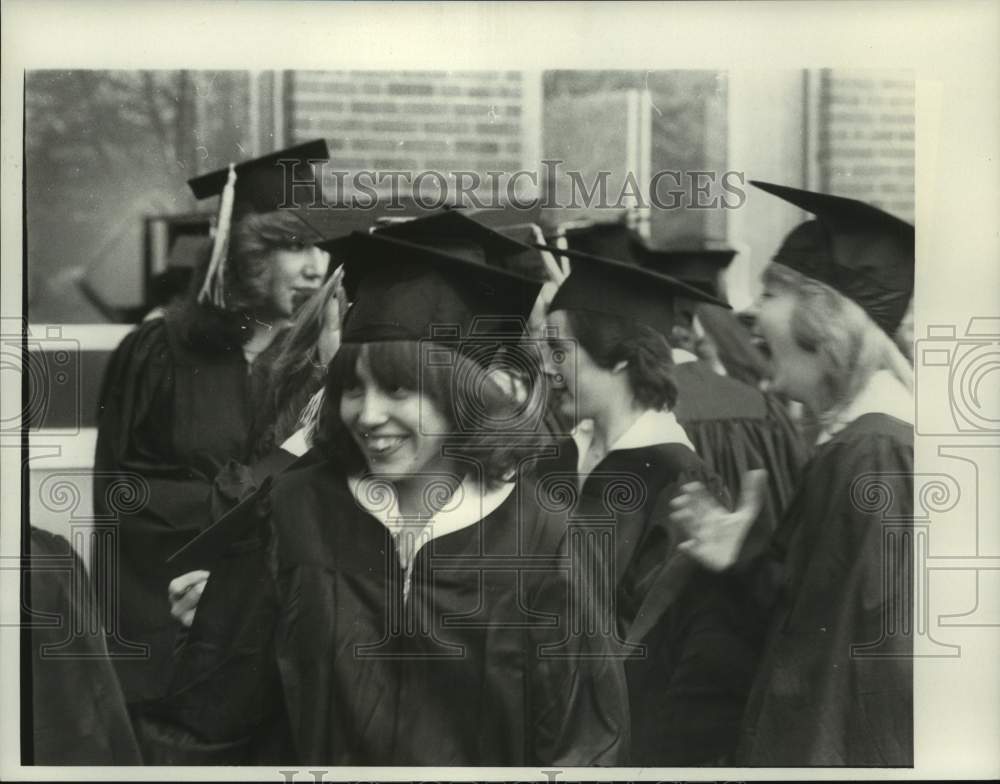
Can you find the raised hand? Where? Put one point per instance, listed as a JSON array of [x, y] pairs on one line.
[[185, 593], [333, 313], [557, 272], [716, 535]]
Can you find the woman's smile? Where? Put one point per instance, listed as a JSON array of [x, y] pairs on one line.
[[382, 445], [761, 344]]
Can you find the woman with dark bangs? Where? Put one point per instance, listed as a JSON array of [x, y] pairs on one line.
[[400, 595], [398, 366], [835, 686], [177, 402]]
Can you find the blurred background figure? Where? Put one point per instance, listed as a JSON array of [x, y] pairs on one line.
[[722, 339]]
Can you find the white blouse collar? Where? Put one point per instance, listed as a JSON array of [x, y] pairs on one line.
[[650, 429], [467, 506], [682, 357], [882, 394]]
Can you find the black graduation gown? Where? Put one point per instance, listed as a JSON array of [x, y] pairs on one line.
[[688, 690], [303, 634], [842, 570], [78, 711], [735, 428], [170, 416]]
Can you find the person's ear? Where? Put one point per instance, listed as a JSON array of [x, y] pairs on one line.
[[620, 366]]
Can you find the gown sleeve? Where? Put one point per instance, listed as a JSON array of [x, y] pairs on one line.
[[577, 693], [689, 688], [136, 424], [237, 481], [134, 462], [153, 472], [836, 682], [224, 704]]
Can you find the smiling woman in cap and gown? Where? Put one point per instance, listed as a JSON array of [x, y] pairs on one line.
[[610, 363], [835, 685], [176, 402], [400, 596]]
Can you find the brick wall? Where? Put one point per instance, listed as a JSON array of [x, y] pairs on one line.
[[410, 120], [866, 137]]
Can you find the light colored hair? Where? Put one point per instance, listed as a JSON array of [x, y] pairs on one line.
[[904, 334], [297, 371], [249, 266], [850, 346]]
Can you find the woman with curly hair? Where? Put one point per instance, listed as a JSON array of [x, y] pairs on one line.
[[835, 686], [176, 402]]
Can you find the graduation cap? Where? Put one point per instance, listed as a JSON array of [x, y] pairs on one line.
[[530, 263], [623, 288], [506, 216], [857, 249], [267, 183], [610, 240], [444, 277], [698, 267], [520, 222], [244, 524], [261, 185]]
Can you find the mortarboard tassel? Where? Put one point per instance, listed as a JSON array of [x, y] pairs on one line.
[[309, 417], [557, 271], [212, 289]]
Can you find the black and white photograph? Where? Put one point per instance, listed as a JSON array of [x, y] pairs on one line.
[[483, 391]]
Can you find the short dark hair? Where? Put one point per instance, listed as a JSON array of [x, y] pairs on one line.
[[612, 339], [462, 387]]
